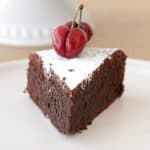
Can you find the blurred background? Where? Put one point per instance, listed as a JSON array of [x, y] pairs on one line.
[[117, 23]]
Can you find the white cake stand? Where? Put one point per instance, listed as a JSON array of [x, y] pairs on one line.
[[31, 22]]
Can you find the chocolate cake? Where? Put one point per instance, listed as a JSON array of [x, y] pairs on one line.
[[72, 92]]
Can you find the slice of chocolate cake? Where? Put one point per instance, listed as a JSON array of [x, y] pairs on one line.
[[72, 92]]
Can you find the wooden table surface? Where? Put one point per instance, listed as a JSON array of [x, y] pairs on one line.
[[118, 23]]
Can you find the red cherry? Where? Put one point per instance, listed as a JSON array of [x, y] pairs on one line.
[[87, 28], [75, 42], [59, 39], [69, 41], [69, 24]]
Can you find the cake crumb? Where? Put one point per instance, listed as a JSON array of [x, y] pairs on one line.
[[64, 78], [25, 90], [71, 70]]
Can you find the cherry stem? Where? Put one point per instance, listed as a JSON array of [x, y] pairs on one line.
[[80, 19], [74, 19]]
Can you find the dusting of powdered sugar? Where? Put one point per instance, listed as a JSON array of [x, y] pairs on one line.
[[75, 70]]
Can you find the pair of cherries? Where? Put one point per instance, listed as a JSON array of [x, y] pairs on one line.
[[70, 39]]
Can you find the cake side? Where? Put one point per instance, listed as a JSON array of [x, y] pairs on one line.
[[91, 97], [50, 95]]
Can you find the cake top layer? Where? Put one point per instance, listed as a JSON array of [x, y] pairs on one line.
[[75, 70]]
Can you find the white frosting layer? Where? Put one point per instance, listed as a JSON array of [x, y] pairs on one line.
[[77, 69]]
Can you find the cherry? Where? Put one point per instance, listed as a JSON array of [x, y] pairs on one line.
[[70, 39], [59, 39], [75, 42], [87, 28], [69, 24]]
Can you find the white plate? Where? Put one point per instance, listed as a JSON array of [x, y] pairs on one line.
[[124, 125], [31, 22]]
